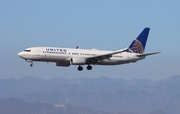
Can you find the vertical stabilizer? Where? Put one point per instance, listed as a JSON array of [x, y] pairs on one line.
[[139, 44]]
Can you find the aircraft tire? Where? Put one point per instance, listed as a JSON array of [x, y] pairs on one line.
[[89, 67], [80, 68], [31, 64]]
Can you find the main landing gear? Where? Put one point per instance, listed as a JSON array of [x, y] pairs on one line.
[[80, 68], [89, 67]]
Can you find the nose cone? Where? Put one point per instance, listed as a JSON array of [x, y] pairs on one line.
[[20, 54]]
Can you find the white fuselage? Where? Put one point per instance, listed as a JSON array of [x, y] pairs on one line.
[[64, 55], [70, 56]]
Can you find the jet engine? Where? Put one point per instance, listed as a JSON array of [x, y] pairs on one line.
[[78, 61]]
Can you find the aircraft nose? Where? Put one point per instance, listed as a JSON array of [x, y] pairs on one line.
[[20, 54]]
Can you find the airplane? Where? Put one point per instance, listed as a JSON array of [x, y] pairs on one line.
[[75, 56]]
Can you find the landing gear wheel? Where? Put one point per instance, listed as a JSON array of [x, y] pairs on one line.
[[80, 68], [89, 67], [31, 64]]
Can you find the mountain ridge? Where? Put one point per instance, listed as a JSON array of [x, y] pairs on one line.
[[106, 94]]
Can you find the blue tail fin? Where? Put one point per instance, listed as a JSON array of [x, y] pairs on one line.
[[138, 45]]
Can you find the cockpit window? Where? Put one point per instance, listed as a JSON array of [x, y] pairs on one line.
[[27, 50]]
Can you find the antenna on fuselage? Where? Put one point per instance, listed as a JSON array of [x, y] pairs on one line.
[[77, 47]]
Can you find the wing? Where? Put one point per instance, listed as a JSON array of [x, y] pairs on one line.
[[94, 59]]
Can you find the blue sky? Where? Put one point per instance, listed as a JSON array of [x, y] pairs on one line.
[[101, 24]]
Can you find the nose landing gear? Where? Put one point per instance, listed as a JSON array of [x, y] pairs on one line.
[[31, 64]]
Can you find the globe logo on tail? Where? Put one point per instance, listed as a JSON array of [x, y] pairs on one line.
[[136, 47]]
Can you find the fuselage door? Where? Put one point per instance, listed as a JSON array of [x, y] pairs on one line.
[[38, 52]]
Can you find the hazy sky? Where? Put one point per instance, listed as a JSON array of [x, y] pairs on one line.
[[102, 24]]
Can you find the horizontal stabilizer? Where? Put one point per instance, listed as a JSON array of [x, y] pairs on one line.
[[144, 55]]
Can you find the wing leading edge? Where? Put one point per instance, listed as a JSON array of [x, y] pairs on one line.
[[106, 56]]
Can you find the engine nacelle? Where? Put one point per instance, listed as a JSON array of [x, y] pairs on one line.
[[78, 61]]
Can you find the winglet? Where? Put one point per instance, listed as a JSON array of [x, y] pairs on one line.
[[139, 44]]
